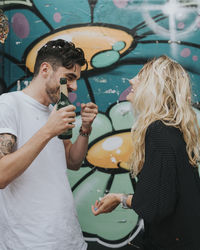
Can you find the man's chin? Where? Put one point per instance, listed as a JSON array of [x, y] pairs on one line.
[[54, 102], [54, 99]]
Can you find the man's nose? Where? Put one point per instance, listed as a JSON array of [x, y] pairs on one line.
[[73, 85]]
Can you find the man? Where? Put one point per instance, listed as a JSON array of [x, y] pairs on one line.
[[37, 210]]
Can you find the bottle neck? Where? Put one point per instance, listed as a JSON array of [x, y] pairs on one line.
[[63, 89]]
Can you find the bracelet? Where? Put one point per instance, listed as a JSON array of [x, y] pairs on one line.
[[84, 133], [124, 198]]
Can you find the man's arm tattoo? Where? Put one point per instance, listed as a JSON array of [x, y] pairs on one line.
[[7, 141]]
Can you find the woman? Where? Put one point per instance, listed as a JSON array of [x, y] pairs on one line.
[[166, 139]]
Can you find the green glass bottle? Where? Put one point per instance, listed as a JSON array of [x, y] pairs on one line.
[[63, 102]]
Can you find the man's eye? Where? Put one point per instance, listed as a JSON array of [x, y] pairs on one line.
[[70, 78]]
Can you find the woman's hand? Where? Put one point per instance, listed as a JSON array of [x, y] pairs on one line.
[[106, 204]]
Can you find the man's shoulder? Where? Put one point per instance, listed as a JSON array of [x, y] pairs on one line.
[[9, 97], [8, 94]]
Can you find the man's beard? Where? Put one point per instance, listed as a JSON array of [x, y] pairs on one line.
[[53, 94]]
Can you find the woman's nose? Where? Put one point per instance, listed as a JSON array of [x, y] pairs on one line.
[[131, 81]]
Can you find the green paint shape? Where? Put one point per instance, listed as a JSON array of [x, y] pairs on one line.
[[122, 112], [119, 46], [105, 59]]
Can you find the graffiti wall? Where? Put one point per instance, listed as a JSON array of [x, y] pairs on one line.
[[118, 37]]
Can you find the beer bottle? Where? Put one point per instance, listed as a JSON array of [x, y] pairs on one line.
[[63, 102]]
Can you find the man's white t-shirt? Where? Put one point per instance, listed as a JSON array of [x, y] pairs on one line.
[[37, 210]]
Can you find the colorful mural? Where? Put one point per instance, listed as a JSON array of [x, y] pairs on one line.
[[118, 37]]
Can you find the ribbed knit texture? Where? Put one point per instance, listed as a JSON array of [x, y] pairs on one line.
[[167, 194]]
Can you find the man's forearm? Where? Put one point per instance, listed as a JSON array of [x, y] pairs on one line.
[[14, 164], [77, 153]]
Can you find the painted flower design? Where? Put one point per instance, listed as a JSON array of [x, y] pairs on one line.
[[101, 173]]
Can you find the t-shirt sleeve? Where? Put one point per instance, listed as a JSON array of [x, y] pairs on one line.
[[155, 194], [8, 122]]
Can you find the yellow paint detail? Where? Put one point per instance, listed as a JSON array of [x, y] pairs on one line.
[[26, 2], [102, 158], [92, 39], [124, 165]]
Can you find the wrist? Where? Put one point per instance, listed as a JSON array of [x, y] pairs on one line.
[[45, 131], [85, 131], [123, 200], [118, 197]]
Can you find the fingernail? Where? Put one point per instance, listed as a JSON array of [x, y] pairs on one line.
[[95, 208]]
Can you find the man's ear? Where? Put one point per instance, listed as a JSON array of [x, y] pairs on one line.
[[45, 69]]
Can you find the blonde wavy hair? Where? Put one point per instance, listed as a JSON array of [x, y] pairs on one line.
[[163, 93]]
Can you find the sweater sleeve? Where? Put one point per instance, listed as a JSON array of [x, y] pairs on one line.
[[155, 195]]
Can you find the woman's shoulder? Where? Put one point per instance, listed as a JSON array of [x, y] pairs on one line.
[[156, 127], [160, 132], [161, 127]]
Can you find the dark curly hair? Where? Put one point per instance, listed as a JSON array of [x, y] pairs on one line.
[[59, 53]]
